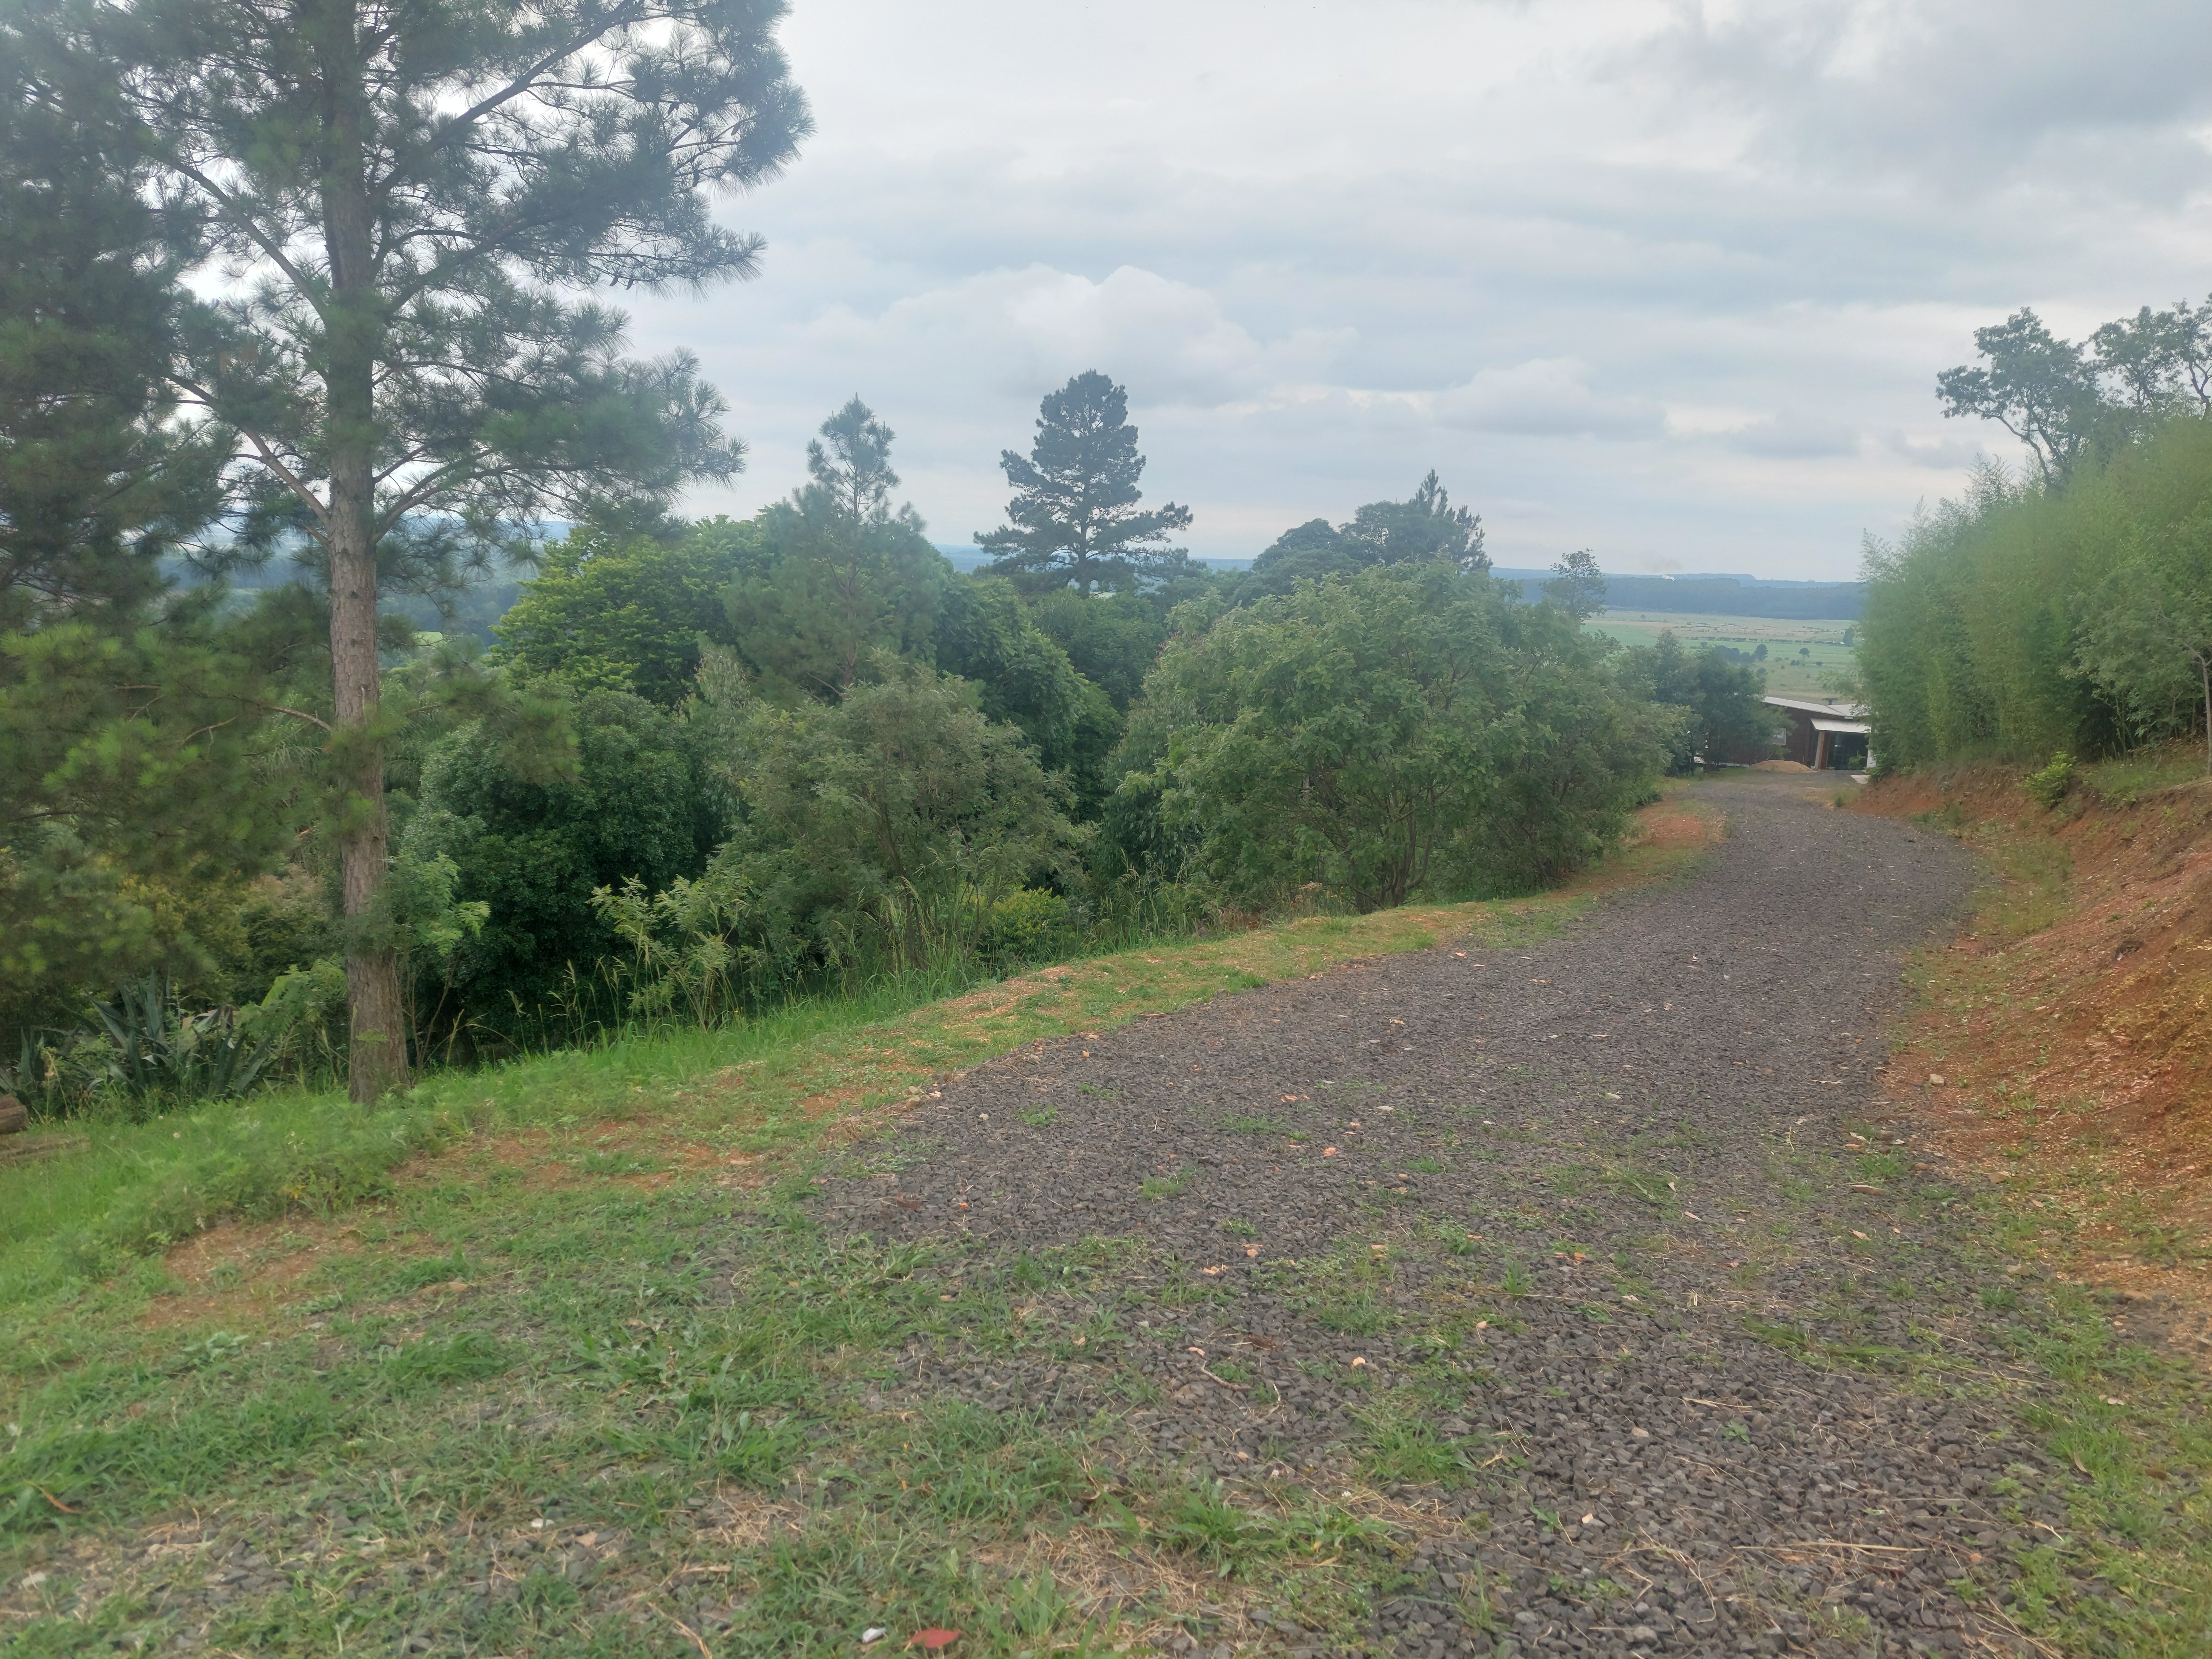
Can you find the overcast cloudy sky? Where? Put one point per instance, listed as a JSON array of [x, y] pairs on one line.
[[1668, 280]]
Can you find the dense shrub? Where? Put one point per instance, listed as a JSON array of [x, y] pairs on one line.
[[2026, 619], [639, 802], [1405, 729]]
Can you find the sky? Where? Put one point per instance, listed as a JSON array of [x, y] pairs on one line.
[[1668, 280]]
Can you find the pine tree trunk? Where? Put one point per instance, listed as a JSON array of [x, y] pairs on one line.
[[378, 1059]]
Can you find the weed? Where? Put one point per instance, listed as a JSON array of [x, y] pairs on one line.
[[1043, 1118], [1167, 1186]]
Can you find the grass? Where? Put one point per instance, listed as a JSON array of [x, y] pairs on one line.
[[763, 1088], [1789, 673], [554, 1358]]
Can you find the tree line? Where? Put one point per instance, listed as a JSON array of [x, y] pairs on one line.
[[313, 282], [2066, 609]]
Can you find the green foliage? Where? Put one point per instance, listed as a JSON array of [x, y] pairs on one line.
[[99, 480], [1111, 639], [1074, 512], [389, 213], [532, 844], [987, 636], [2067, 402], [890, 827], [843, 575], [1425, 527], [2022, 621], [629, 613], [1726, 715], [2048, 785], [1405, 729], [142, 772]]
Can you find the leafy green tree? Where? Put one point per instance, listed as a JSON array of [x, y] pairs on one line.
[[1425, 527], [1112, 638], [141, 770], [1074, 512], [404, 192], [1022, 676], [1365, 733], [531, 843], [1724, 702], [842, 576], [629, 612], [890, 825], [1577, 586], [2041, 389]]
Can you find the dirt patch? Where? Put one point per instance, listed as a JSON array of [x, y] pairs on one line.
[[2066, 1049], [241, 1273]]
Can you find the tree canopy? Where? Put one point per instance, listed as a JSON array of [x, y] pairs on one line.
[[1406, 728], [2063, 398], [1075, 518], [1425, 527], [405, 192]]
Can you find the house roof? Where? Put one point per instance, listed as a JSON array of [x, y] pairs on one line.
[[1850, 711], [1859, 727]]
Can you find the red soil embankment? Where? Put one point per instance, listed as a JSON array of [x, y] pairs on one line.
[[2072, 1025]]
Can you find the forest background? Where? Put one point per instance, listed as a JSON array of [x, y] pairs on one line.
[[248, 833]]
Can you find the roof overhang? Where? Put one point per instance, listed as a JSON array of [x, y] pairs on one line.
[[1858, 728]]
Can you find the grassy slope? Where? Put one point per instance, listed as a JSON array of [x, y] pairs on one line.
[[512, 1393], [2057, 1048]]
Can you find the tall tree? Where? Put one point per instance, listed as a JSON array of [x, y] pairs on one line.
[[1425, 526], [404, 189], [2041, 389], [1075, 517], [97, 482], [1577, 586], [843, 575]]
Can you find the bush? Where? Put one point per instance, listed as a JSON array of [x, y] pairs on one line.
[[639, 803], [894, 830], [2049, 786], [1405, 729]]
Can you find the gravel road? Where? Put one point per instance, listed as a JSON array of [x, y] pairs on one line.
[[1597, 1261]]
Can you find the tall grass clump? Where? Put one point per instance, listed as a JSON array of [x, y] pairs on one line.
[[2031, 618]]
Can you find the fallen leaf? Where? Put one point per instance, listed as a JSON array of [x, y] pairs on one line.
[[1251, 1249], [1855, 1233], [1328, 1151], [932, 1640]]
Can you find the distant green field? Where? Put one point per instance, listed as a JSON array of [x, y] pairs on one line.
[[1801, 657]]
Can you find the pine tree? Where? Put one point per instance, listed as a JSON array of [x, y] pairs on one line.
[[844, 575], [407, 189], [1074, 514], [98, 484]]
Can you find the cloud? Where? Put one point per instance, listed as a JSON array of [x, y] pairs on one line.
[[2049, 92], [1027, 331], [1552, 397], [1672, 281], [1794, 435]]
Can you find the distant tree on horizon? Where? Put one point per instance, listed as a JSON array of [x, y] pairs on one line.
[[1074, 518]]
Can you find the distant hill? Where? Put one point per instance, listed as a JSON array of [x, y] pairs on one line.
[[1717, 596]]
